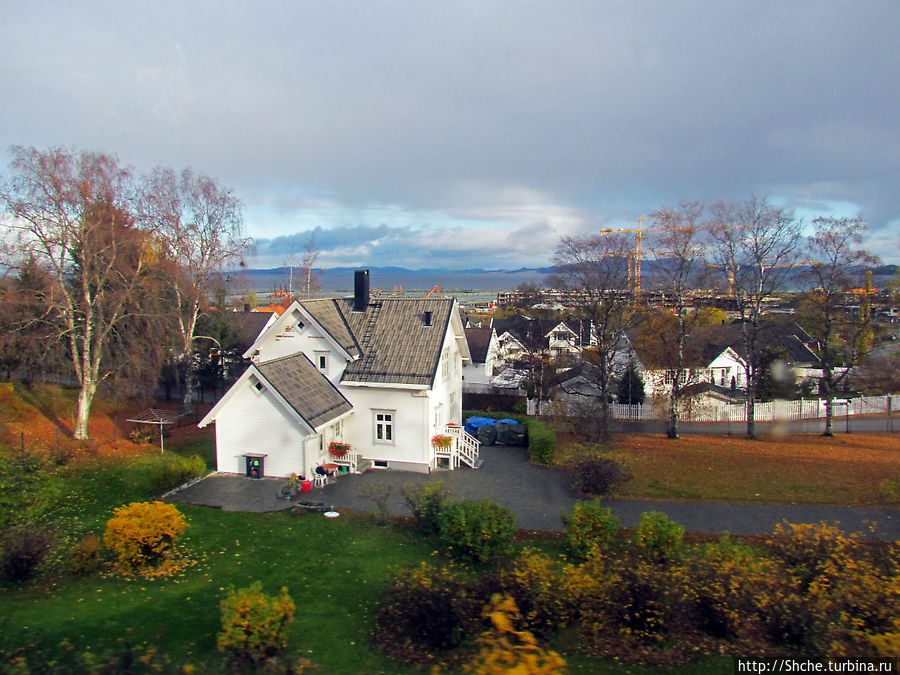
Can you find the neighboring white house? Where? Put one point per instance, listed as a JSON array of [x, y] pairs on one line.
[[382, 375], [714, 356], [521, 336], [482, 344]]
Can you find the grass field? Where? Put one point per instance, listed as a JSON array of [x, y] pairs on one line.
[[801, 469]]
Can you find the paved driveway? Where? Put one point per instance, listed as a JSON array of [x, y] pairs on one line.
[[537, 495]]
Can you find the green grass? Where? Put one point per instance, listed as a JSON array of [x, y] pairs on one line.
[[334, 570]]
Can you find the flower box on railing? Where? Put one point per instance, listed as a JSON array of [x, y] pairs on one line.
[[338, 449], [441, 442]]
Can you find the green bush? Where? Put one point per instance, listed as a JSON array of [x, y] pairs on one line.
[[426, 501], [174, 470], [541, 442], [425, 613], [597, 476], [23, 551], [658, 538], [254, 625], [479, 530], [589, 525], [84, 557]]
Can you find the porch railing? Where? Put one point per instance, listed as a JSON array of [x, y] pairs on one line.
[[464, 450], [351, 460]]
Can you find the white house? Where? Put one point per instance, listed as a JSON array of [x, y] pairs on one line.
[[714, 355], [382, 375]]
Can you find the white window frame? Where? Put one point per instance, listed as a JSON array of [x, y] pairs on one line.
[[322, 361], [383, 423]]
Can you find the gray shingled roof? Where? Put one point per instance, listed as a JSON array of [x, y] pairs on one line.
[[305, 389], [395, 345], [479, 340], [328, 314]]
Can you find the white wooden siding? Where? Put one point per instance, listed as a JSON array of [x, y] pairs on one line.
[[253, 421]]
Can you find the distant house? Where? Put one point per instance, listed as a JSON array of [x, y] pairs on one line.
[[520, 336], [715, 355], [380, 375], [481, 367]]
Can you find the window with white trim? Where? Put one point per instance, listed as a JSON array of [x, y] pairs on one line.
[[445, 364], [384, 426], [322, 361]]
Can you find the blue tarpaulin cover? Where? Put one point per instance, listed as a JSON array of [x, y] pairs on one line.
[[474, 422]]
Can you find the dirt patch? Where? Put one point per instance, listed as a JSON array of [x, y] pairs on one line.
[[42, 418]]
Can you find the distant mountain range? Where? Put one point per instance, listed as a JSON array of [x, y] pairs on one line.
[[386, 278]]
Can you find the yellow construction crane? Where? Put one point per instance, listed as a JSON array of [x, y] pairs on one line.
[[638, 240]]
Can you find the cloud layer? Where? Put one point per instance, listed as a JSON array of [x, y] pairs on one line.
[[472, 133]]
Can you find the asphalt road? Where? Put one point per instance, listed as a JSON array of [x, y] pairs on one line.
[[537, 496]]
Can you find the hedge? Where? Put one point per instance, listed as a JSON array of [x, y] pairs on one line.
[[541, 438]]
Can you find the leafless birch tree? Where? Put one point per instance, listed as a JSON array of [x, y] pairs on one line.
[[844, 334], [200, 228], [754, 244], [679, 246], [594, 268]]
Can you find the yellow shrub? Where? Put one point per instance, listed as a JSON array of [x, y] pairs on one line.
[[142, 533], [534, 581], [254, 625], [506, 650]]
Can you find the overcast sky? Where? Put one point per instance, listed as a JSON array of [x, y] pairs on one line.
[[471, 134]]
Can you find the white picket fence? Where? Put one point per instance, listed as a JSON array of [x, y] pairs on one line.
[[710, 411]]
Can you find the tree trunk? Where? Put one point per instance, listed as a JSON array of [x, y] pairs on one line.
[[187, 382], [829, 400], [82, 414], [673, 413], [751, 408]]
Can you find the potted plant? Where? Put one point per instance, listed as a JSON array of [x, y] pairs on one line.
[[338, 448], [441, 442], [290, 488]]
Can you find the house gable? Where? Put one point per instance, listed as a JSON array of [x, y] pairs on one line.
[[296, 385], [292, 332]]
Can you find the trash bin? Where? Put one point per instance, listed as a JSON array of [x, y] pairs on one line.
[[255, 465]]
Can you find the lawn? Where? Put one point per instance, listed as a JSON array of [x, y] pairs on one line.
[[810, 469]]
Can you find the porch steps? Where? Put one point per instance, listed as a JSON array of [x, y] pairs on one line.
[[465, 447]]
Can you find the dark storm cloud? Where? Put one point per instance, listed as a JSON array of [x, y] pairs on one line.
[[555, 117]]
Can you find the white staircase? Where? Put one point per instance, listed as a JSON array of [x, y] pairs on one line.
[[464, 449]]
